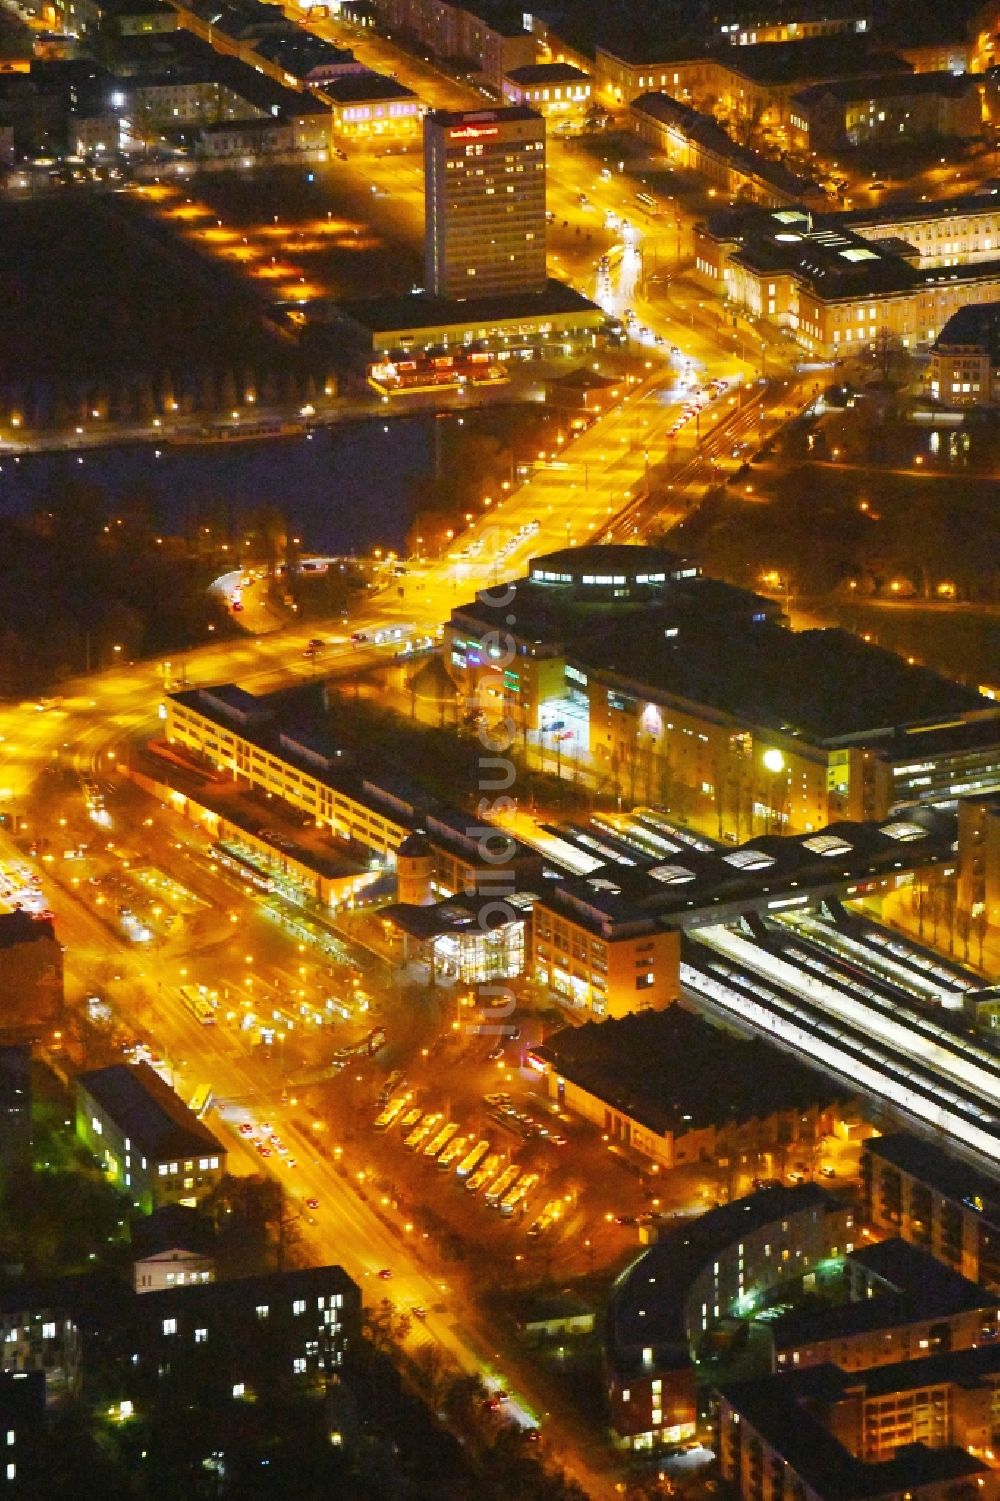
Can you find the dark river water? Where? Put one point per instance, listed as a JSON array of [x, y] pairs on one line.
[[346, 489]]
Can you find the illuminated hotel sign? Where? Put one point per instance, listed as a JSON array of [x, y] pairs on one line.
[[473, 132]]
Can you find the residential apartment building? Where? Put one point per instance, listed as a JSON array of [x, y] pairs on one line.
[[22, 1426], [714, 1267], [247, 1333], [914, 1188], [241, 1336], [902, 1305], [41, 1328], [922, 1429], [15, 1106], [172, 1247], [31, 976], [484, 194], [178, 101], [145, 1138]]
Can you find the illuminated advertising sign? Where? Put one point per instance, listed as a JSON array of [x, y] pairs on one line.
[[473, 132]]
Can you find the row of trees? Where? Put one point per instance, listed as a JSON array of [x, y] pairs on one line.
[[41, 405]]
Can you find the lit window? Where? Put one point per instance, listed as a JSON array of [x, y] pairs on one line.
[[239, 1389], [11, 1471], [48, 1331], [299, 1306], [170, 1326], [10, 1437], [163, 1169], [299, 1365], [262, 1310], [201, 1336], [98, 1128]]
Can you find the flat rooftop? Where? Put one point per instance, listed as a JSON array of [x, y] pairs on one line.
[[570, 596], [416, 311], [507, 115], [547, 73], [976, 325], [946, 1174], [826, 686], [630, 1063], [23, 927], [912, 1285], [899, 211], [148, 1111], [783, 1410], [889, 86], [834, 255], [815, 58], [296, 726], [647, 1303], [357, 88]]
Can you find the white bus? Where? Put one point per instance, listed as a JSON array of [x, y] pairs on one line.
[[382, 635], [198, 1004]]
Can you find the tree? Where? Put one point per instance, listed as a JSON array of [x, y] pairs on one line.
[[887, 356]]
